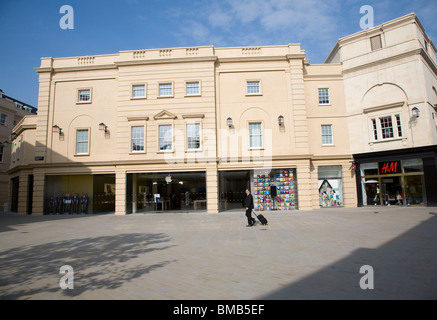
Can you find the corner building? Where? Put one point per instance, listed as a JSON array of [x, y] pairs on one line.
[[189, 129]]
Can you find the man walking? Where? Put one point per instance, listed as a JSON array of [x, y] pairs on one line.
[[248, 203]]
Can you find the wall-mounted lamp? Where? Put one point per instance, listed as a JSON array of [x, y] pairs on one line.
[[281, 121], [57, 129], [415, 112], [103, 127], [229, 121]]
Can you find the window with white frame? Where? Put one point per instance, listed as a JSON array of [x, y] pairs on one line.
[[84, 95], [387, 127], [193, 136], [192, 88], [166, 89], [137, 138], [327, 139], [82, 141], [253, 87], [165, 137], [138, 91], [324, 96], [255, 135], [3, 118]]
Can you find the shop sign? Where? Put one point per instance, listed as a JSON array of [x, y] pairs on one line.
[[388, 167]]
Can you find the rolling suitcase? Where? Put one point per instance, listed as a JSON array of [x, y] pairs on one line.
[[261, 218]]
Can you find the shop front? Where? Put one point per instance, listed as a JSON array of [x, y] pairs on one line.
[[272, 189], [150, 192], [393, 178]]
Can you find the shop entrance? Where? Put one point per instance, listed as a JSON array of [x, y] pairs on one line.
[[391, 190]]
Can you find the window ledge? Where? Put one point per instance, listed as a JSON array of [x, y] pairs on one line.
[[388, 140], [83, 102], [253, 94], [138, 98]]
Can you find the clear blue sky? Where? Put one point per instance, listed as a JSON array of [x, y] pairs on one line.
[[29, 29]]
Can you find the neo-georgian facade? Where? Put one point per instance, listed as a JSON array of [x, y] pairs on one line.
[[190, 128]]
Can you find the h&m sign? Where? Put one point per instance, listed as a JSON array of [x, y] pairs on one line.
[[388, 167]]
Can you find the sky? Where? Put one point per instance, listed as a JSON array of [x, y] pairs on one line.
[[31, 29]]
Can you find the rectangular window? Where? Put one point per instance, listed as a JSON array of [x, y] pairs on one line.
[[386, 127], [3, 119], [327, 135], [84, 95], [255, 135], [375, 42], [324, 96], [1, 154], [375, 129], [165, 89], [137, 139], [253, 87], [398, 124], [138, 91], [192, 88], [82, 141], [193, 136], [165, 137]]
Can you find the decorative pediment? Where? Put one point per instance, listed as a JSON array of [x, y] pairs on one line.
[[164, 114]]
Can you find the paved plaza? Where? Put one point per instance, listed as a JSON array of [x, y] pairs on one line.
[[299, 255]]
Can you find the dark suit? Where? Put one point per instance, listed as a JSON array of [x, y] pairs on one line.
[[248, 204]]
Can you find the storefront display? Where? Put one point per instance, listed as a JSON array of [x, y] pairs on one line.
[[330, 186], [275, 189]]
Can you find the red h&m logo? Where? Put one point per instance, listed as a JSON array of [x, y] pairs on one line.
[[389, 167]]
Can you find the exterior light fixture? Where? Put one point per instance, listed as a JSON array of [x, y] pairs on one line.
[[103, 127], [415, 112], [281, 121], [229, 121], [57, 129]]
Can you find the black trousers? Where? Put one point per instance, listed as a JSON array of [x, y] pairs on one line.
[[250, 220]]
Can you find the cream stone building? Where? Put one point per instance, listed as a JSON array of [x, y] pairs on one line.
[[190, 128], [11, 112]]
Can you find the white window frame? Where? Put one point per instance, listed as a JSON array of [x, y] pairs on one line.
[[187, 136], [159, 137], [132, 138], [322, 96], [199, 93], [166, 95], [87, 142], [133, 91], [84, 101], [258, 135], [396, 127], [324, 134], [248, 93]]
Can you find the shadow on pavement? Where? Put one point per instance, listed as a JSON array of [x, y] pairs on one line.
[[98, 263], [403, 268]]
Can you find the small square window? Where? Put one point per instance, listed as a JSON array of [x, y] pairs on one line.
[[253, 87], [139, 91], [192, 88], [165, 89], [84, 95]]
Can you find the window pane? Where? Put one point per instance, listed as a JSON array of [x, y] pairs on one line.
[[165, 89], [138, 138], [165, 137], [193, 88], [375, 129], [84, 95], [193, 136], [386, 127], [253, 87], [327, 135], [138, 91], [398, 124], [255, 135], [324, 96], [376, 42], [82, 141]]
